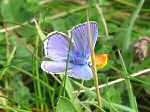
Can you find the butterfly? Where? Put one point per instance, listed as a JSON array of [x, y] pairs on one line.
[[56, 48]]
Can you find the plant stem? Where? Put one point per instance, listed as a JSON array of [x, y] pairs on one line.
[[131, 24], [94, 70], [67, 62], [9, 59], [99, 9], [34, 77], [128, 83], [132, 76], [96, 78]]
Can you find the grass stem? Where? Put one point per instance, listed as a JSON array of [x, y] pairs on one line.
[[67, 62], [94, 70], [99, 9], [10, 57], [129, 86], [145, 71], [131, 24]]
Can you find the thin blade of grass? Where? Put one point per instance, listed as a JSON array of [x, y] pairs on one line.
[[131, 25], [33, 77], [132, 98], [100, 11], [66, 68], [66, 84], [10, 57]]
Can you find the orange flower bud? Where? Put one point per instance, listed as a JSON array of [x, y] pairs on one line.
[[101, 60]]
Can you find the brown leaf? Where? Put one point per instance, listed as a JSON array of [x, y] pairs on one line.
[[2, 110], [141, 48], [2, 100]]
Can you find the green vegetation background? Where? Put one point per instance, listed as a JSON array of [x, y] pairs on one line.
[[24, 87]]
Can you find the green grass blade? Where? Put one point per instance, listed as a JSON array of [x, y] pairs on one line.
[[131, 25], [132, 98]]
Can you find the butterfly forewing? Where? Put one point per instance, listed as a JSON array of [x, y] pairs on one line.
[[56, 46], [80, 34]]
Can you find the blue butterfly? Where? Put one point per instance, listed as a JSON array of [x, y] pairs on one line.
[[56, 48]]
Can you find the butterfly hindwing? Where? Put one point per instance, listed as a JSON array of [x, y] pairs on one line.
[[54, 66], [83, 72]]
